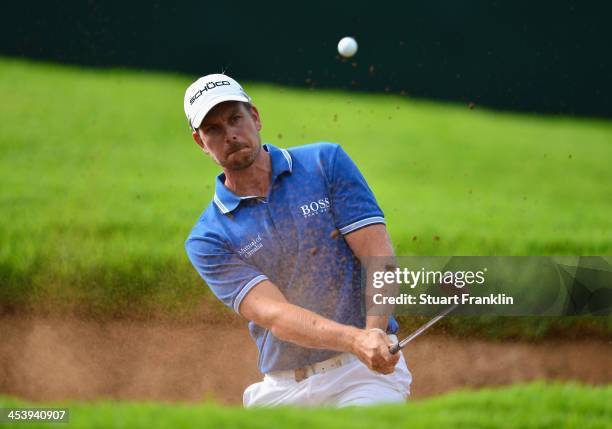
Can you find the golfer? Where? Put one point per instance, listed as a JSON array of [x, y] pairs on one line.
[[281, 244]]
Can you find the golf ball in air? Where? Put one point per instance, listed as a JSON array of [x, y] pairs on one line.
[[347, 47]]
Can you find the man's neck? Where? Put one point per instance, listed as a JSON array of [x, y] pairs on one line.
[[253, 180]]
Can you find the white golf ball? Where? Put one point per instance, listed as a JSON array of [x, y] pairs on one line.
[[347, 47]]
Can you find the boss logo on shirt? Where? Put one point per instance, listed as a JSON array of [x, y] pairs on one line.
[[315, 207]]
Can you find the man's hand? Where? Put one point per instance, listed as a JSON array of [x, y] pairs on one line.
[[372, 348]]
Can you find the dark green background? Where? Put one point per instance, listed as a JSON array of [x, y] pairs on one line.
[[544, 56]]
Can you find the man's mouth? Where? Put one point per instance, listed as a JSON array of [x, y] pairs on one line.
[[236, 149]]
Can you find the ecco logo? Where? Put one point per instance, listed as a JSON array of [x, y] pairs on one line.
[[209, 85], [315, 207]]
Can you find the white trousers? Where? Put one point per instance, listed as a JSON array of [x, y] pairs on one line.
[[350, 384]]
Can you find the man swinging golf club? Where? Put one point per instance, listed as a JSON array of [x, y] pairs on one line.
[[281, 243]]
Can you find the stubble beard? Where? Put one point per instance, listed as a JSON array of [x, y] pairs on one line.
[[244, 160]]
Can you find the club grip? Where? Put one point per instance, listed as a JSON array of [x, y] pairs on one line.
[[394, 348]]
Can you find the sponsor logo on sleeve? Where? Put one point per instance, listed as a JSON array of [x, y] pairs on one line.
[[253, 246]]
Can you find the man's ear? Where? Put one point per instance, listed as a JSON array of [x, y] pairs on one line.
[[198, 140], [255, 114]]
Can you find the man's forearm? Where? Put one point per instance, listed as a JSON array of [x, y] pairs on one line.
[[307, 329], [266, 306], [377, 315], [373, 248]]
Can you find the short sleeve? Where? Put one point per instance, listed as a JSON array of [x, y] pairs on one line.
[[352, 201], [225, 273]]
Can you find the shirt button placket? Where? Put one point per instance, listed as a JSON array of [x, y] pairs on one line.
[[270, 213]]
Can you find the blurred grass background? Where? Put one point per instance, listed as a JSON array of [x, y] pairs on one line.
[[101, 184], [535, 405]]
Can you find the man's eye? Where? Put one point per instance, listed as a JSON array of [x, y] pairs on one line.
[[235, 118], [212, 129]]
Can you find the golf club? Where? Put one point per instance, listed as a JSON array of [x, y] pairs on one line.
[[398, 346]]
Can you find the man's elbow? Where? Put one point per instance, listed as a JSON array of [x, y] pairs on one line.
[[267, 316], [271, 318], [266, 306]]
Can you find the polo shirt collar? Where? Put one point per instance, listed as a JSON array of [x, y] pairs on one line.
[[227, 201]]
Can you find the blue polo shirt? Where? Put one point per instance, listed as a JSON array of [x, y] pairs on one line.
[[294, 238]]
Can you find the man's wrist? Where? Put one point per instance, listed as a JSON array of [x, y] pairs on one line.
[[353, 339], [380, 322]]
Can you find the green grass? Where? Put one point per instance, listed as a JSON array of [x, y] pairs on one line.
[[101, 181], [528, 406]]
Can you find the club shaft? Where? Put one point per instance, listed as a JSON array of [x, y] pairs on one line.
[[397, 347]]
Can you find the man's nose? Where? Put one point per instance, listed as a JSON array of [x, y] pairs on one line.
[[230, 135]]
